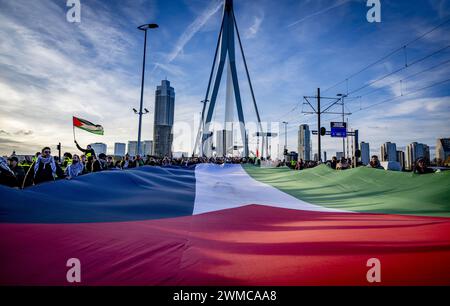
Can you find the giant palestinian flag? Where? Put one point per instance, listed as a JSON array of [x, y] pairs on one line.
[[229, 225], [87, 126]]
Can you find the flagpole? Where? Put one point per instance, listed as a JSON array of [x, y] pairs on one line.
[[73, 128]]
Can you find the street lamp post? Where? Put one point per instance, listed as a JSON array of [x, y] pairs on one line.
[[144, 28]]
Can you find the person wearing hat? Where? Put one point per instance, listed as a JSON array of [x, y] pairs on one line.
[[19, 173]]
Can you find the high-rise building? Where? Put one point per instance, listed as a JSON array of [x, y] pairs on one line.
[[99, 147], [365, 153], [304, 142], [414, 151], [132, 147], [443, 151], [119, 149], [426, 153], [388, 151], [164, 116], [147, 147]]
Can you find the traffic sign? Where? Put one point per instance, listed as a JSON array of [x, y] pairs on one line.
[[338, 129]]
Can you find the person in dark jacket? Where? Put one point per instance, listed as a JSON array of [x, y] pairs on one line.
[[7, 176], [45, 167], [110, 163], [333, 163], [375, 163], [421, 167], [19, 172], [126, 162], [88, 151], [100, 164], [88, 165]]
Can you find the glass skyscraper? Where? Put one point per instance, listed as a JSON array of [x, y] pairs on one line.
[[304, 142], [164, 116]]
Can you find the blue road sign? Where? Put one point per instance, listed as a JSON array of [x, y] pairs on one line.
[[339, 129]]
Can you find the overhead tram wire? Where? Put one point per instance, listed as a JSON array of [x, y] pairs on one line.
[[297, 104], [408, 77], [401, 80], [400, 69], [405, 78], [400, 96], [404, 95], [382, 59]]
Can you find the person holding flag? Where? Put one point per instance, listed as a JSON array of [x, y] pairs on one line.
[[89, 127], [88, 151]]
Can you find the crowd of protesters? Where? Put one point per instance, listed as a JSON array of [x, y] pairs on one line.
[[44, 167], [420, 166]]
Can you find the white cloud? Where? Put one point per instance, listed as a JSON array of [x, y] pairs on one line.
[[49, 76], [194, 27], [254, 28]]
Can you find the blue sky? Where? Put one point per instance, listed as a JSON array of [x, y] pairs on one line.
[[51, 69]]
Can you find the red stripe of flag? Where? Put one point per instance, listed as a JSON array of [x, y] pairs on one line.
[[76, 122]]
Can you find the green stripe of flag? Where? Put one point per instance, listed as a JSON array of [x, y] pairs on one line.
[[363, 189], [94, 131]]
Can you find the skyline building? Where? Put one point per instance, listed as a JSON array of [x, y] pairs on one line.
[[365, 153], [442, 151], [304, 142], [163, 119], [99, 147], [147, 147], [132, 147], [388, 151], [119, 149]]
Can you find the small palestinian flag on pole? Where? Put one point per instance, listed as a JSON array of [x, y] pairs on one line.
[[87, 126]]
